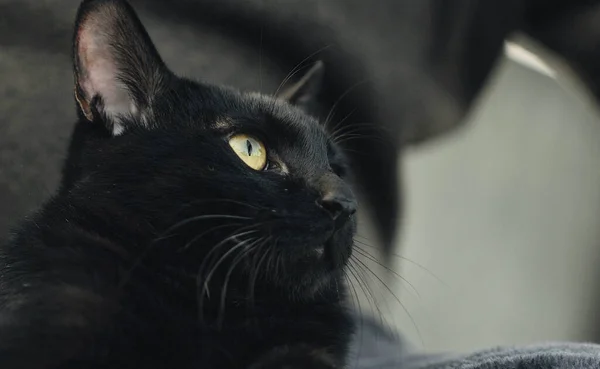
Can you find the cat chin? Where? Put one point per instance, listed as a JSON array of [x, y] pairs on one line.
[[314, 284], [319, 270], [327, 281]]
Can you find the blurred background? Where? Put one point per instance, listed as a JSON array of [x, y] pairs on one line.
[[502, 218], [499, 241]]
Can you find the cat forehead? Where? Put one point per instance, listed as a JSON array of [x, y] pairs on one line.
[[206, 106], [273, 116], [298, 138]]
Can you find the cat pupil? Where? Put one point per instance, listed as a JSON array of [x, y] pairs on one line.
[[249, 147]]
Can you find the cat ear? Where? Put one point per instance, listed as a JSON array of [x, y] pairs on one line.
[[305, 92], [118, 72]]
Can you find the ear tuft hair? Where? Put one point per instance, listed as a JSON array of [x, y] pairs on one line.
[[118, 71], [305, 92]]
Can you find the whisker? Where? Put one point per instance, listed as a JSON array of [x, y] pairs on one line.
[[218, 263], [142, 255], [357, 304], [338, 124], [271, 262], [207, 257], [404, 259], [205, 288], [298, 66], [234, 263], [221, 243], [199, 217], [371, 125], [198, 237], [354, 293], [374, 260], [336, 103], [364, 274], [356, 152], [360, 131], [366, 290], [219, 200], [414, 323], [255, 271], [354, 136]]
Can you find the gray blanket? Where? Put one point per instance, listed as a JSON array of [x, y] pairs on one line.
[[378, 348]]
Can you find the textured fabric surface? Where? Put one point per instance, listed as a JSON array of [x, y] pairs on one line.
[[550, 356], [377, 348]]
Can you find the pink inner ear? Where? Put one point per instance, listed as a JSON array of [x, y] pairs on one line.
[[98, 67]]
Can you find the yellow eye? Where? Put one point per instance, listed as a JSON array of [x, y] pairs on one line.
[[250, 150]]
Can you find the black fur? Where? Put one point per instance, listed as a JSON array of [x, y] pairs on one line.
[[162, 249]]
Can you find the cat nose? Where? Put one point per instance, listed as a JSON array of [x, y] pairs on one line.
[[336, 198], [337, 205]]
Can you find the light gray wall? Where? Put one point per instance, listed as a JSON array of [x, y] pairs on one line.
[[506, 213]]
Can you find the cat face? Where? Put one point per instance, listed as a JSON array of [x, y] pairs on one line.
[[224, 182]]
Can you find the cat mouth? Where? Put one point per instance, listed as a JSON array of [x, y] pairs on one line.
[[332, 253], [321, 253]]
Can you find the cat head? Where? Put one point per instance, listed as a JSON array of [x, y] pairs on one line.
[[225, 182]]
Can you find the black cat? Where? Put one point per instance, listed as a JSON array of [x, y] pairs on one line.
[[196, 226]]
